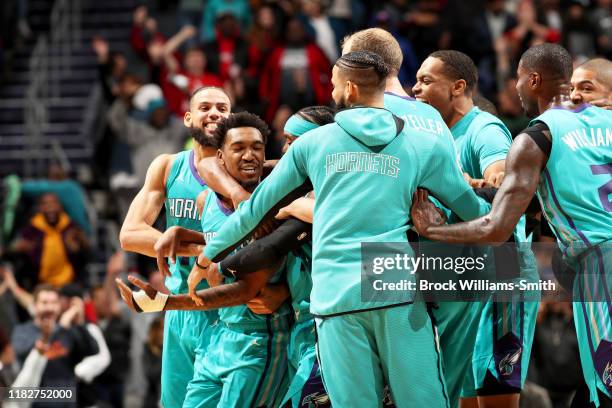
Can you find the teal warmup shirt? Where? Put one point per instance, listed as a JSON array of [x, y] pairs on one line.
[[575, 185], [299, 281], [183, 186], [214, 215], [364, 171], [482, 139], [419, 116]]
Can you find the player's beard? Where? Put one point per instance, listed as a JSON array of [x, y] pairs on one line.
[[204, 139], [338, 106]]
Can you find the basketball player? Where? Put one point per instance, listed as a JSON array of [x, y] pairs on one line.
[[447, 80], [172, 180], [393, 343], [565, 156]]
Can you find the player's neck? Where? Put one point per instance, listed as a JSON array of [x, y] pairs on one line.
[[394, 86], [374, 101], [200, 152], [461, 107], [559, 96]]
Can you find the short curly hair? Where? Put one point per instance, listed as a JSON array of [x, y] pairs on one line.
[[237, 120], [458, 65]]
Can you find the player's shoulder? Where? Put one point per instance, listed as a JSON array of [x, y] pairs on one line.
[[161, 166], [399, 104]]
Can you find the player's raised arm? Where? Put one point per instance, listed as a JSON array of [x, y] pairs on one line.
[[523, 166], [287, 182]]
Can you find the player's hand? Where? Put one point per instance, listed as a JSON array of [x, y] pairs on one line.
[[602, 103], [167, 246], [284, 213], [264, 229], [128, 295], [213, 276], [424, 213], [198, 272], [269, 299], [495, 180]]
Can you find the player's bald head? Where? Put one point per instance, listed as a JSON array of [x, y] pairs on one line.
[[378, 41], [592, 81], [551, 61], [602, 68]]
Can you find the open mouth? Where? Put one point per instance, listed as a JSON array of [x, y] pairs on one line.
[[421, 99], [249, 170], [211, 126]]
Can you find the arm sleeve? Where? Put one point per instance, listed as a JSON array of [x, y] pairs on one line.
[[491, 144], [287, 182], [265, 252], [445, 182], [92, 366], [32, 370], [536, 132]]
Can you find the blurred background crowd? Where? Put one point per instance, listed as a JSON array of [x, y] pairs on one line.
[[91, 92]]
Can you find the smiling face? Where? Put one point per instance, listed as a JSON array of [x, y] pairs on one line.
[[432, 87], [206, 109], [586, 87], [243, 155]]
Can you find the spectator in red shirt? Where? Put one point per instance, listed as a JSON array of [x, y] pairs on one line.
[[178, 82], [296, 74]]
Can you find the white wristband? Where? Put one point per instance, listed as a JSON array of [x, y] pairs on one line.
[[147, 304]]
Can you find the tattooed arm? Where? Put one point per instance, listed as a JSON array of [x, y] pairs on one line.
[[230, 294], [524, 163]]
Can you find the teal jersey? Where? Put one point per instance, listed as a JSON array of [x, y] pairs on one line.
[[482, 139], [364, 180], [183, 186], [214, 216], [299, 281], [575, 184]]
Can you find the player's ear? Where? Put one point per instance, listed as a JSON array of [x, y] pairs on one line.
[[535, 79], [187, 119], [459, 87], [350, 92], [220, 157]]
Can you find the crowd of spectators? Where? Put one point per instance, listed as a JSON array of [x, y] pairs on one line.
[[272, 58]]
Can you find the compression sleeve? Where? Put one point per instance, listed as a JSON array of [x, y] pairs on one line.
[[536, 132], [288, 181], [289, 236]]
